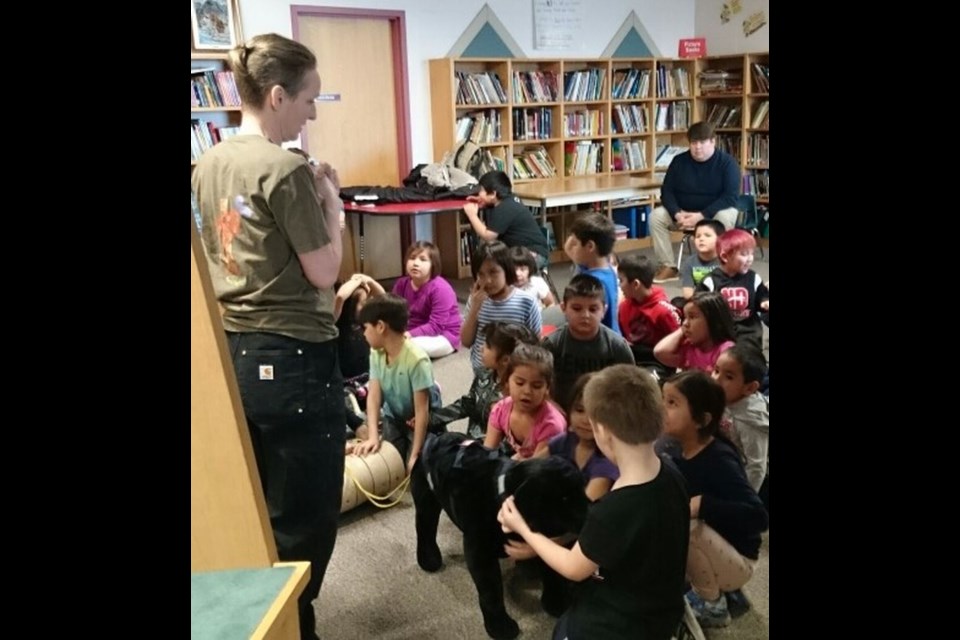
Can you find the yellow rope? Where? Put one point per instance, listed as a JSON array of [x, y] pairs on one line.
[[374, 499]]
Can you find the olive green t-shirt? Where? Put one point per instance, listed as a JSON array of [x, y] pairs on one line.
[[259, 208]]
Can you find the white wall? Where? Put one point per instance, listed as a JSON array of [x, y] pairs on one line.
[[434, 26], [723, 38]]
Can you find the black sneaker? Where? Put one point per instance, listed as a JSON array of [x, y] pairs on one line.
[[737, 603]]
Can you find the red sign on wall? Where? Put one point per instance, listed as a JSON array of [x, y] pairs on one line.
[[693, 47]]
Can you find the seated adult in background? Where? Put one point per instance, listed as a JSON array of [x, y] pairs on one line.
[[702, 182], [505, 218]]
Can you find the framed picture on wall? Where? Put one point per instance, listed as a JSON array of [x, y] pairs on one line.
[[216, 24]]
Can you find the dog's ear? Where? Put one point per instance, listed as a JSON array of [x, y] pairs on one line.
[[550, 495]]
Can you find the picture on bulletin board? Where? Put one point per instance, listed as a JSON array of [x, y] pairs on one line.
[[215, 24]]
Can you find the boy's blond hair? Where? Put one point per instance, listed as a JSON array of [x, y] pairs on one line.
[[626, 400]]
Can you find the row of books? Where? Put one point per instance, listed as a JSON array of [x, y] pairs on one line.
[[480, 126], [758, 149], [666, 153], [672, 116], [720, 82], [583, 157], [757, 183], [479, 88], [211, 88], [532, 124], [761, 117], [724, 116], [673, 83], [586, 122], [628, 155], [534, 86], [465, 248], [761, 78], [630, 84], [533, 163], [630, 118], [205, 134], [583, 85], [729, 143]]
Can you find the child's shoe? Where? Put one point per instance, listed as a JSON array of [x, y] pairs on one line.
[[709, 613], [737, 603]]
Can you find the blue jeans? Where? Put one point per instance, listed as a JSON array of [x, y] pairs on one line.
[[292, 393]]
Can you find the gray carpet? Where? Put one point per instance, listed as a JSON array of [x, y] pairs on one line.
[[374, 588]]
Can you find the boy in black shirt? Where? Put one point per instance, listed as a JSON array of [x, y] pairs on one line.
[[505, 218], [632, 552]]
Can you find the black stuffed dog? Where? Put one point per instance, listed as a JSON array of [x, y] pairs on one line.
[[470, 482]]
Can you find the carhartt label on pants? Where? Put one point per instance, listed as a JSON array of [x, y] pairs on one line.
[[266, 372]]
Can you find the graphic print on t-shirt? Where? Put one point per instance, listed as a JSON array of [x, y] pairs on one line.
[[738, 299], [228, 226]]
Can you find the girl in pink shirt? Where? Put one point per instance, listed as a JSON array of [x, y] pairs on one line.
[[526, 416], [706, 332]]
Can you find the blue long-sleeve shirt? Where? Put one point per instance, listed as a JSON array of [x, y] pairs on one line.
[[706, 187]]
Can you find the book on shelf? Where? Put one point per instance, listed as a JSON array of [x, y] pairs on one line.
[[761, 78], [673, 116], [212, 88], [761, 116], [630, 84], [720, 82], [534, 86], [666, 155], [479, 88]]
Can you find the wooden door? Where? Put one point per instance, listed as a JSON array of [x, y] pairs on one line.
[[360, 131]]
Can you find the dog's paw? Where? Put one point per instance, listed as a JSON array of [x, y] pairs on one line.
[[429, 558], [501, 627]]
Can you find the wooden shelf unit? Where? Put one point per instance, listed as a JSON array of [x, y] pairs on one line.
[[673, 85], [222, 116]]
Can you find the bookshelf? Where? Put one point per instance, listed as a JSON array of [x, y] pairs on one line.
[[733, 93], [757, 125], [215, 104], [604, 116]]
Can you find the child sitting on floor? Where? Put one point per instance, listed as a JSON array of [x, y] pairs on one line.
[[706, 332], [742, 288], [401, 382], [434, 313], [739, 370], [579, 447], [500, 339], [526, 416], [646, 316], [527, 278], [702, 261], [726, 514], [589, 245], [494, 297], [583, 344]]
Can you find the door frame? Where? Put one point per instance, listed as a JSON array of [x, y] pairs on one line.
[[398, 37]]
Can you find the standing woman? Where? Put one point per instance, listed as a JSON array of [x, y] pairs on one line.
[[271, 235]]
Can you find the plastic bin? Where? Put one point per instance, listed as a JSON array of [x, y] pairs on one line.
[[627, 218]]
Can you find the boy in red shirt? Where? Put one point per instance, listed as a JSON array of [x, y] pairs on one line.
[[645, 314]]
